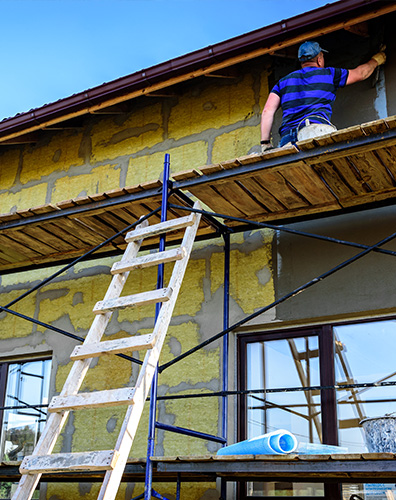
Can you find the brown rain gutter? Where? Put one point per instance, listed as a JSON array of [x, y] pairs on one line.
[[265, 40]]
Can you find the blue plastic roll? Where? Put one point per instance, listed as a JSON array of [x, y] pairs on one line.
[[277, 442]]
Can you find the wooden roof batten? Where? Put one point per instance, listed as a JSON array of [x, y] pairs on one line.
[[348, 170]]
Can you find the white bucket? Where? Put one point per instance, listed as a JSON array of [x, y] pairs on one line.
[[380, 434], [314, 130]]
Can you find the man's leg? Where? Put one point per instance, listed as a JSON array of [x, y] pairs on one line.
[[289, 138]]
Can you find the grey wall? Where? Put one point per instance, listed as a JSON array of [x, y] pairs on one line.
[[364, 288]]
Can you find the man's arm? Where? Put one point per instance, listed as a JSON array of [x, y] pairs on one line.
[[267, 116], [365, 70]]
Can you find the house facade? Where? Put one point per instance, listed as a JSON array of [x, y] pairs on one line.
[[320, 353]]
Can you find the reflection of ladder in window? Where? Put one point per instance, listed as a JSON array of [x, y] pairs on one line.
[[304, 376], [113, 461], [313, 416], [354, 392]]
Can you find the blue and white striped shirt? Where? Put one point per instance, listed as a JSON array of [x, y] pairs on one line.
[[308, 91]]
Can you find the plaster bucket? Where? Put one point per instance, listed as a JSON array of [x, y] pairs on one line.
[[313, 130], [380, 434]]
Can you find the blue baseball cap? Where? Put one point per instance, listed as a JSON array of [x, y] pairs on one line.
[[309, 50]]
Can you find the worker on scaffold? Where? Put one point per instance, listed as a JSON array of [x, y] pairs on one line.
[[306, 96]]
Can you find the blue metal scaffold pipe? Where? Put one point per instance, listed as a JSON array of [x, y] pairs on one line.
[[148, 491], [226, 319], [189, 432]]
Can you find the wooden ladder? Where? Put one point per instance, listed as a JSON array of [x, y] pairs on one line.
[[112, 461]]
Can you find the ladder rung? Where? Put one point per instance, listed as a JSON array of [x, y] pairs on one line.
[[148, 260], [139, 299], [349, 423], [64, 462], [314, 353], [111, 397], [162, 227], [112, 346]]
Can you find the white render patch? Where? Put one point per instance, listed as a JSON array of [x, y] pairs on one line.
[[380, 104]]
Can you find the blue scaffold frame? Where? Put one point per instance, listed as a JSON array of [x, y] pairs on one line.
[[167, 189], [149, 492]]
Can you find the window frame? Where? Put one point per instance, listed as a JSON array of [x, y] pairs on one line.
[[4, 366], [325, 337], [3, 388], [326, 344]]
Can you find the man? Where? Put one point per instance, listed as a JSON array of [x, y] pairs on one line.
[[307, 95]]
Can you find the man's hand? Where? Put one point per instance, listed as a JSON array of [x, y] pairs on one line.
[[379, 57], [266, 147]]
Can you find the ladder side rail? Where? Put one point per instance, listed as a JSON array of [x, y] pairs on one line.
[[56, 421], [129, 427]]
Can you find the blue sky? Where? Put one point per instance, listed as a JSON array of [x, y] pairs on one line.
[[54, 48]]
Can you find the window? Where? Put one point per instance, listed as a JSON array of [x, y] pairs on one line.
[[23, 385], [27, 384], [286, 363], [342, 354], [275, 361]]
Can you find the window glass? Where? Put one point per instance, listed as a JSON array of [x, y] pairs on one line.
[[276, 364], [284, 489], [370, 491], [27, 385], [286, 363], [7, 491], [365, 353]]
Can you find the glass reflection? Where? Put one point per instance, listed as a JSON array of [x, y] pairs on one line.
[[286, 363], [364, 354]]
